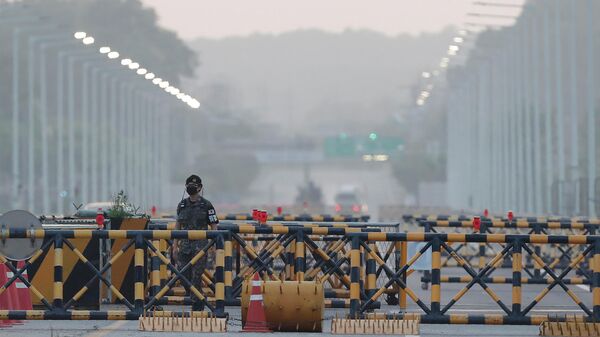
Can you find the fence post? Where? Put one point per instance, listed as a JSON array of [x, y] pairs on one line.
[[517, 266], [220, 276], [300, 263], [436, 262], [596, 280], [355, 277], [57, 295], [228, 269], [155, 269], [139, 274]]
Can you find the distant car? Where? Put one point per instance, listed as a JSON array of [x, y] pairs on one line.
[[348, 203]]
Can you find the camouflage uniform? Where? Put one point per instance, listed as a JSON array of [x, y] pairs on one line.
[[194, 215]]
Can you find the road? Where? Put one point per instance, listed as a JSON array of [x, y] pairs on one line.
[[278, 183]]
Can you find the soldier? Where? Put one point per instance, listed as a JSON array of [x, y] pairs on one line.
[[193, 213]]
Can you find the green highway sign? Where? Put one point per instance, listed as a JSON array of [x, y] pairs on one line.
[[344, 145]]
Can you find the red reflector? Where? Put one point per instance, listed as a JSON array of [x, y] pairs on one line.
[[476, 223]]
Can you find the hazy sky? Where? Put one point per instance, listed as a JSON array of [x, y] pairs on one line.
[[219, 18]]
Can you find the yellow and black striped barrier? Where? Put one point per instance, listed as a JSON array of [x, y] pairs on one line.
[[355, 265], [140, 241], [557, 256], [515, 246]]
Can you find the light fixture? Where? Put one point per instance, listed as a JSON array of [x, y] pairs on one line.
[[426, 74], [111, 54], [459, 39], [88, 40]]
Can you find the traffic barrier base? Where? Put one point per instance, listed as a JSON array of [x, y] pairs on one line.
[[173, 322], [569, 329], [347, 326]]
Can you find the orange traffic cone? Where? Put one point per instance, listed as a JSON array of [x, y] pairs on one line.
[[23, 294], [7, 299], [13, 293], [256, 320]]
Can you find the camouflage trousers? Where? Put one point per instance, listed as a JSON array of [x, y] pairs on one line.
[[193, 273]]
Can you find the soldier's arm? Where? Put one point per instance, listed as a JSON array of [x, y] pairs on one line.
[[177, 226], [212, 220]]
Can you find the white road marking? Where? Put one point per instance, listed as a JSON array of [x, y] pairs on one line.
[[583, 286]]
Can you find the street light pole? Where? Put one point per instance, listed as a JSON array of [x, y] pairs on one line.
[[537, 121], [43, 106], [591, 108], [574, 106], [549, 162], [16, 174], [559, 106]]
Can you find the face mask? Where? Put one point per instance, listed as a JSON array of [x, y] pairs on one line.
[[191, 189]]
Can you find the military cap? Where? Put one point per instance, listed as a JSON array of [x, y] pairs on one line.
[[193, 179]]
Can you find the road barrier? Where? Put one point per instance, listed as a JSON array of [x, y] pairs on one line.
[[357, 265], [557, 256], [515, 246]]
